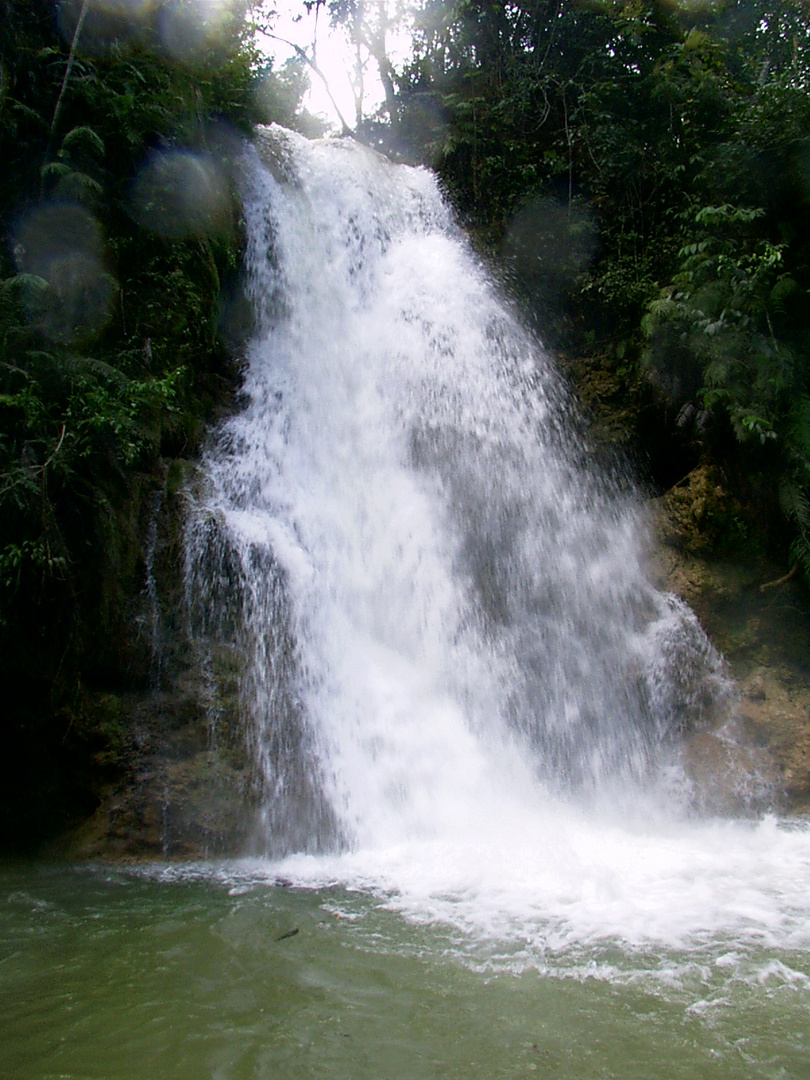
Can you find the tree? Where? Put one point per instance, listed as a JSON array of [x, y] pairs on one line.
[[367, 25], [641, 169], [121, 241]]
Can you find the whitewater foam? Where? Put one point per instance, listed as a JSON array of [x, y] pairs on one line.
[[464, 693]]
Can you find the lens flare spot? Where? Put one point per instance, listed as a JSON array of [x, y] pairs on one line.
[[62, 244], [181, 194], [190, 30], [103, 24], [549, 243], [187, 31]]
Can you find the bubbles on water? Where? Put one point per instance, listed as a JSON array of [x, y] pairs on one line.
[[61, 244], [179, 193]]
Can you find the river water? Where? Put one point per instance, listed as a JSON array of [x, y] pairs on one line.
[[218, 971], [475, 852]]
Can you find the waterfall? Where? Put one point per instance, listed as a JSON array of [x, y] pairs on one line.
[[439, 606]]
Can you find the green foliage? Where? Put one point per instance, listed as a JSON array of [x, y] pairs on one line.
[[111, 356], [679, 135], [107, 327], [720, 308]]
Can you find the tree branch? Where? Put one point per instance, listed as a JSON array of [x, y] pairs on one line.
[[302, 53], [780, 581], [71, 57]]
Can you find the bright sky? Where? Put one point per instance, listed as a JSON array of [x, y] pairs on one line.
[[335, 59]]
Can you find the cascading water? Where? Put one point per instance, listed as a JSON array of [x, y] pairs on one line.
[[452, 658], [428, 576], [463, 699]]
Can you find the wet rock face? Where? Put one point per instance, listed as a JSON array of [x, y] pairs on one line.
[[727, 774], [756, 756], [699, 514], [186, 788], [173, 777], [183, 789], [759, 757], [774, 714], [180, 781]]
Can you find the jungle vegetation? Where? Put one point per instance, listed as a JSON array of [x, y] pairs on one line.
[[638, 172], [119, 322]]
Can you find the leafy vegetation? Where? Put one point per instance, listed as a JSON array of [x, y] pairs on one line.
[[119, 125], [641, 169]]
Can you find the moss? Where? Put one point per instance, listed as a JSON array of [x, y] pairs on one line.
[[179, 475], [612, 398], [704, 515]]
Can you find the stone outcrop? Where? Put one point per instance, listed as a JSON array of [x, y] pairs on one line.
[[185, 787], [757, 756]]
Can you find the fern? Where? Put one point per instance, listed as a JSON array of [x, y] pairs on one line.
[[79, 186], [55, 168], [80, 138], [88, 365], [800, 552], [23, 281]]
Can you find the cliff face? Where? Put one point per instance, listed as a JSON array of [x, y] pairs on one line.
[[108, 710], [121, 319], [151, 759], [758, 755]]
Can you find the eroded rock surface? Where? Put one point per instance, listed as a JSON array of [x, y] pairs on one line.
[[758, 755]]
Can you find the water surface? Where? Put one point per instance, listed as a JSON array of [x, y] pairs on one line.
[[216, 971]]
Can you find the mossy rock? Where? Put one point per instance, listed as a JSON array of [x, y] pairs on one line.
[[700, 514], [611, 398], [757, 754]]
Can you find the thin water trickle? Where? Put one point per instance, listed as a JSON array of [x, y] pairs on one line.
[[461, 688], [153, 615]]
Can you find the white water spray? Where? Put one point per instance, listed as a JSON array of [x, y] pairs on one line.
[[448, 637]]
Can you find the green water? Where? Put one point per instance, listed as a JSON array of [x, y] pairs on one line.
[[113, 974]]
